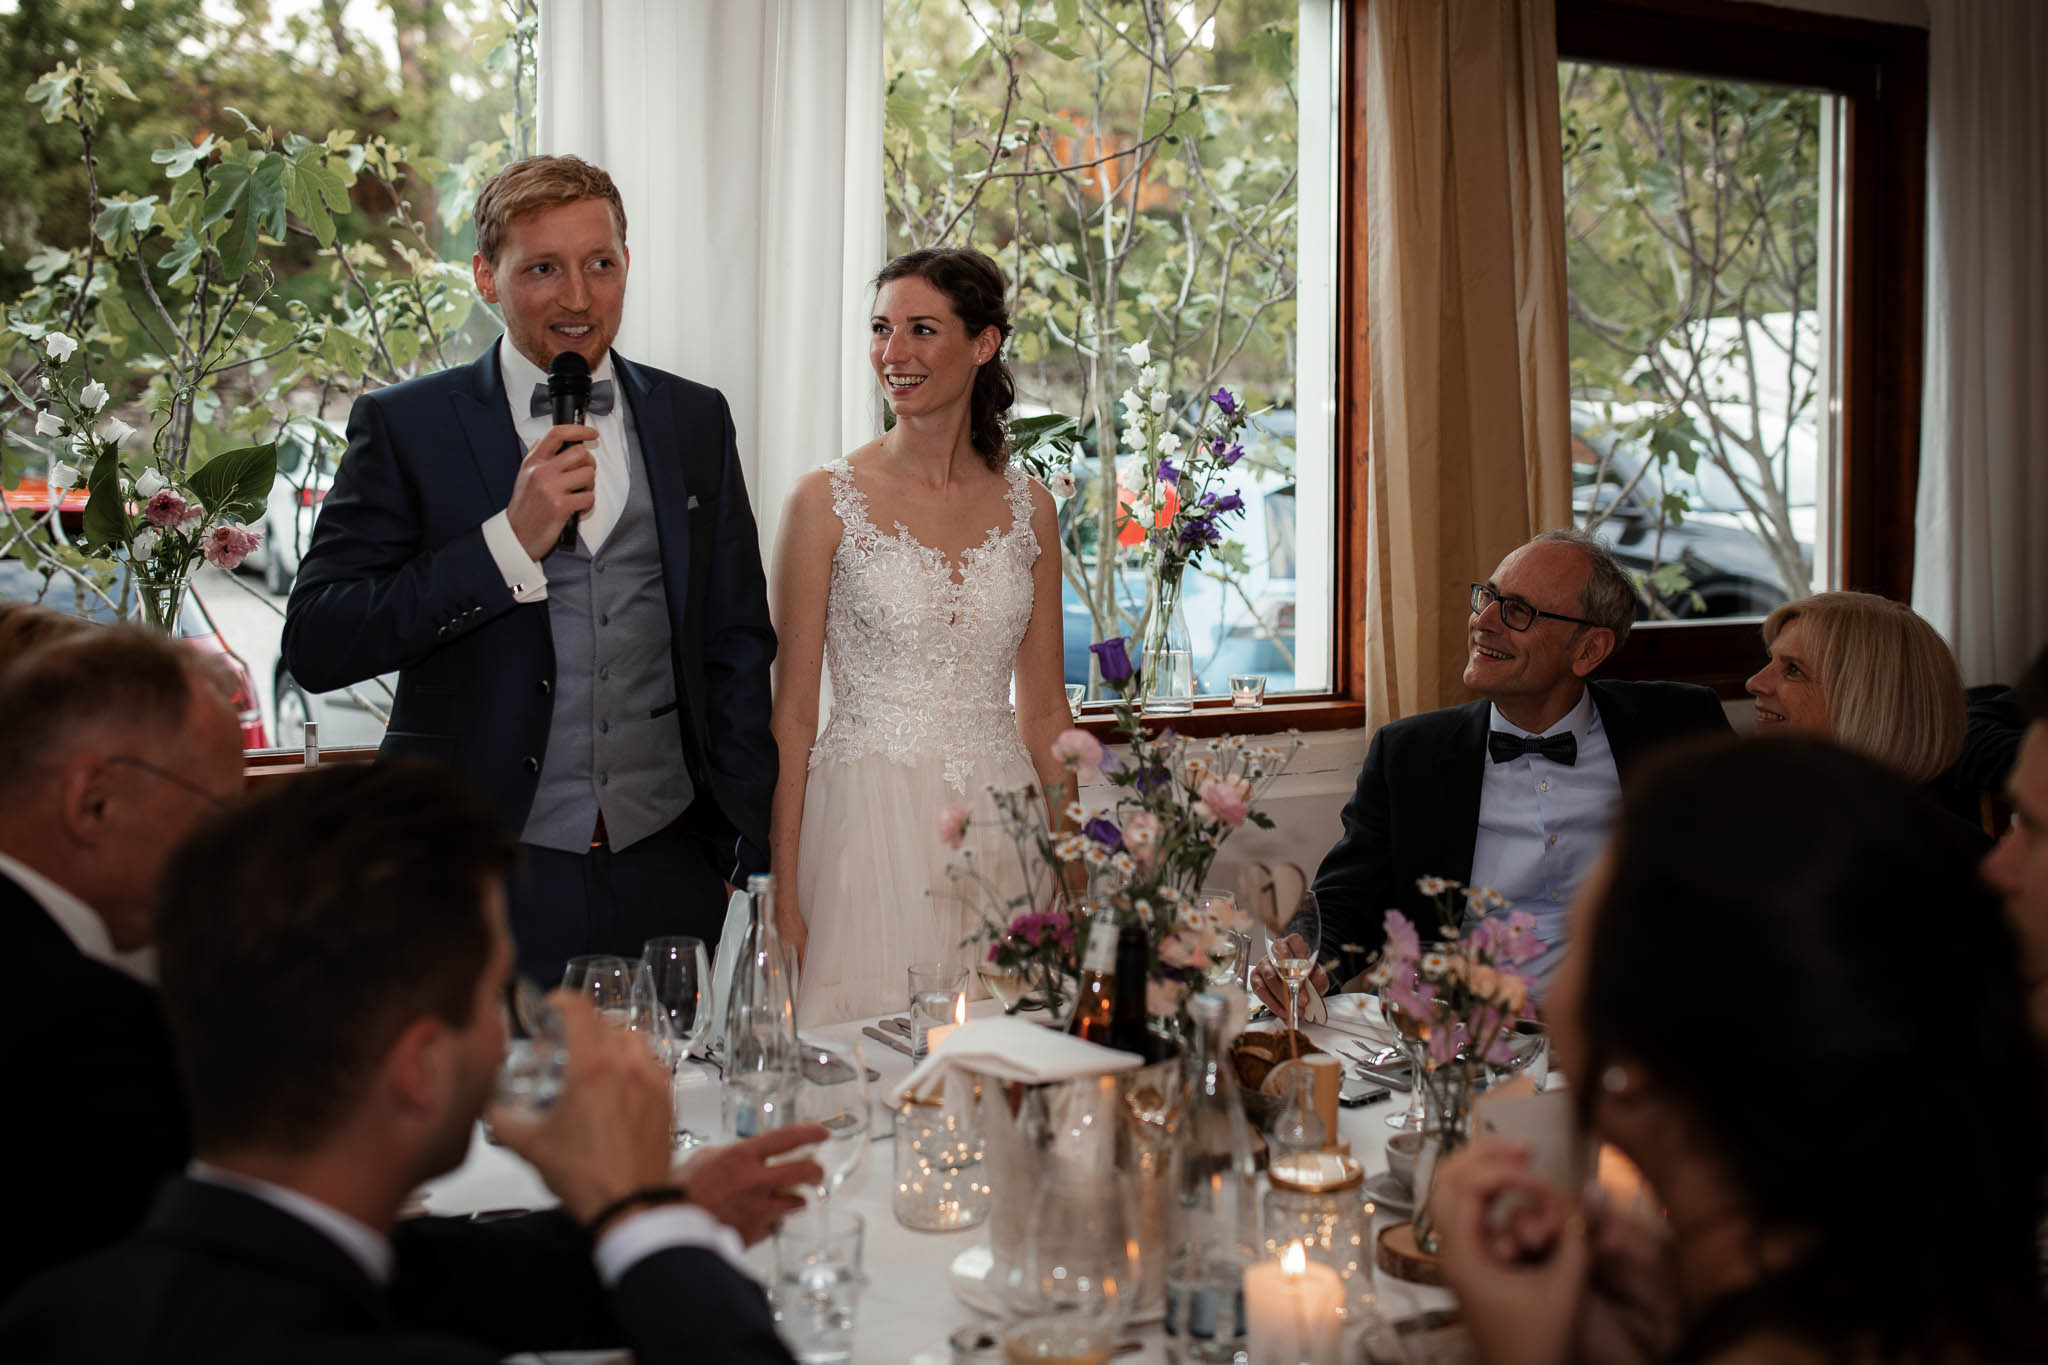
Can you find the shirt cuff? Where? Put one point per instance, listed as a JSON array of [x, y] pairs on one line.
[[658, 1229], [528, 581]]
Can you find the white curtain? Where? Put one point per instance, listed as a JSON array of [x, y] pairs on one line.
[[746, 139], [1981, 555]]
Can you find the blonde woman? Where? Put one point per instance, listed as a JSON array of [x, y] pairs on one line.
[[1866, 672]]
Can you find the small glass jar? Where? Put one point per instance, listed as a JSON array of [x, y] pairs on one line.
[[1318, 1199], [941, 1183]]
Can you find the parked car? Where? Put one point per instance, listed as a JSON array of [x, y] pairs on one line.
[[295, 496], [22, 582], [348, 718]]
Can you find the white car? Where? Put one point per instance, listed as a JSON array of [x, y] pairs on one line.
[[295, 497]]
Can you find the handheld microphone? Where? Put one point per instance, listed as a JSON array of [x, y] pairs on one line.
[[569, 399]]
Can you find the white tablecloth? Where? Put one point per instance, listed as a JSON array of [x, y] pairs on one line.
[[908, 1309]]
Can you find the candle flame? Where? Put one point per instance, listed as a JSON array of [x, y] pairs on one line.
[[960, 1008], [1294, 1260]]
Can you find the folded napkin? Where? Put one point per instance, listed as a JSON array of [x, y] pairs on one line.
[[727, 964], [1011, 1049], [1346, 1019]]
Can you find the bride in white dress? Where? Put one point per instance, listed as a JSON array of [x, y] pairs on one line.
[[922, 625]]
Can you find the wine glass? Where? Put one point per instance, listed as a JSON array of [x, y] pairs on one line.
[[680, 970], [1297, 966], [1408, 1033], [604, 979], [832, 1090], [1219, 909]]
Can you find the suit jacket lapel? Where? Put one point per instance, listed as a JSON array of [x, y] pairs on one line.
[[486, 423], [654, 424], [1620, 721]]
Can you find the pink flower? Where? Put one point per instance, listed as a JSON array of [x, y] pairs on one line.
[[1081, 750], [1226, 802], [1163, 997], [226, 547], [1402, 941], [952, 824], [165, 508], [1141, 837], [1181, 949]]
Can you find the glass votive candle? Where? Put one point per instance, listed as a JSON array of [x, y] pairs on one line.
[[1077, 697], [1318, 1200], [1247, 691], [941, 1181]]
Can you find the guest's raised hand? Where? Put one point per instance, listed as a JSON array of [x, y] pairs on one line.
[[1514, 1250], [737, 1184], [608, 1134]]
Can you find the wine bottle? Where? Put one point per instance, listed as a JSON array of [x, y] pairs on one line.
[[1092, 1016], [1129, 1029]]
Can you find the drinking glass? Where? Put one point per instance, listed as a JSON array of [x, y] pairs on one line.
[[1077, 697], [934, 989], [1408, 1033], [832, 1090], [680, 970], [1227, 962], [1296, 968], [818, 1284], [1247, 691], [536, 1054], [1008, 985]]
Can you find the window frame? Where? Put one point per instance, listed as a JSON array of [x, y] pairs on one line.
[[1880, 70]]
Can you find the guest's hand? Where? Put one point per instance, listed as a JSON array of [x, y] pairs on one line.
[[1519, 1268], [1270, 989], [558, 477], [736, 1185], [608, 1133], [1632, 1312]]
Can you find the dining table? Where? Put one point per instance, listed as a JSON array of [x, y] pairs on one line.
[[908, 1307]]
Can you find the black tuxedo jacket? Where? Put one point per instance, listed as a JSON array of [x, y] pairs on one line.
[[96, 1114], [1416, 811], [398, 578], [216, 1275]]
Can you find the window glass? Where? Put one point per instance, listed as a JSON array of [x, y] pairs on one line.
[[1700, 259]]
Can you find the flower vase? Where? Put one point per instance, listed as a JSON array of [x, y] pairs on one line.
[[1448, 1089], [1169, 659], [161, 603]]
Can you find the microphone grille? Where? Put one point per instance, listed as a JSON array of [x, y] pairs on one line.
[[569, 373]]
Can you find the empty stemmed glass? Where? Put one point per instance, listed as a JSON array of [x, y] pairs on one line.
[[832, 1090], [623, 994], [1293, 954], [679, 969]]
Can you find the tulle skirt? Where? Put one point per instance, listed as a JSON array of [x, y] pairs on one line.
[[873, 884]]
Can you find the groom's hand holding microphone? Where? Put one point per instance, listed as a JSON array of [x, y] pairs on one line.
[[557, 480]]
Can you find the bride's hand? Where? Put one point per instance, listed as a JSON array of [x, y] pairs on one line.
[[790, 924]]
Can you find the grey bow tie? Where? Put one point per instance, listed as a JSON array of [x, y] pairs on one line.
[[600, 399]]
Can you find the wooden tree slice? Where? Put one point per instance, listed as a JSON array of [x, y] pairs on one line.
[[1400, 1257]]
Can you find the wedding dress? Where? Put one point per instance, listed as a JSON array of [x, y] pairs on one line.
[[921, 652]]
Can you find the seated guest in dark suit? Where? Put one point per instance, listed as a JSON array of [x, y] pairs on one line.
[[1469, 793], [1757, 902], [2018, 867], [1873, 676], [334, 960], [114, 741]]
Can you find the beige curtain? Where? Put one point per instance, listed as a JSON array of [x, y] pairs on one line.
[[1470, 422]]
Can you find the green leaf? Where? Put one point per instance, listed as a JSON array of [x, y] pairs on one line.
[[105, 524], [124, 222], [47, 264], [313, 191], [179, 162], [1272, 47], [235, 483], [52, 92], [230, 109], [180, 259]]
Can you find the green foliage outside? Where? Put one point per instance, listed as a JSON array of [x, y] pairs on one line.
[[1133, 168], [1693, 221], [241, 238]]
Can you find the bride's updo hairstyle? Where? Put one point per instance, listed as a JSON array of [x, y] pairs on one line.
[[974, 285]]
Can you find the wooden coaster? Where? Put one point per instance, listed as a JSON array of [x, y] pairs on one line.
[[1400, 1257]]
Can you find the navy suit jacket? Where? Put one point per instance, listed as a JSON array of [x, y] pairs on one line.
[[96, 1112], [398, 578], [217, 1275], [1416, 810]]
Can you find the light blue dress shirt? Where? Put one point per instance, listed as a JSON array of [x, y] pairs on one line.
[[1542, 825]]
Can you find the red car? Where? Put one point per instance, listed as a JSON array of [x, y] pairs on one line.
[[20, 582]]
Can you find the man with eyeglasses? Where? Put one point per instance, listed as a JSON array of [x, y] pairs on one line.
[[1513, 792], [114, 743]]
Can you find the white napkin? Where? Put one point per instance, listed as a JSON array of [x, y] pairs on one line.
[[1012, 1049], [728, 960]]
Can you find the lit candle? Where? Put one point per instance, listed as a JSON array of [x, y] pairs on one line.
[[1293, 1310], [936, 1034]]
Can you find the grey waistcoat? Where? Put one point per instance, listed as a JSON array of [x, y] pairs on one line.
[[615, 744]]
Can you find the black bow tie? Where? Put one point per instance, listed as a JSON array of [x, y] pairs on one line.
[[1562, 748], [600, 399]]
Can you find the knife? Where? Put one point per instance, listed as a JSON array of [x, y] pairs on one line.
[[871, 1031]]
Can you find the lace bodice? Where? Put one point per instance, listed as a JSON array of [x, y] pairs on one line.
[[921, 659]]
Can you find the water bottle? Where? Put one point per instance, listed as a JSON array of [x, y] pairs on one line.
[[761, 1058]]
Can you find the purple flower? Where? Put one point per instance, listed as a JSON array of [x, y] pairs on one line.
[[1230, 502], [1225, 400], [1403, 943], [1232, 455], [1113, 659], [1167, 473], [1104, 831], [1200, 531]]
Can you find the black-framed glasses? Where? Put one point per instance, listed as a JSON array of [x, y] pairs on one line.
[[157, 770], [1516, 614]]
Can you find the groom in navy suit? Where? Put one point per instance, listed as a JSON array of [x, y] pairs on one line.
[[576, 613]]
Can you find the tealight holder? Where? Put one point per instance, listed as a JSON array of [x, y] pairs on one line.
[[941, 1172], [1247, 691], [1317, 1199]]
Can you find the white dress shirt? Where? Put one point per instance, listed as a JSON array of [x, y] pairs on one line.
[[1542, 825], [80, 922], [522, 573]]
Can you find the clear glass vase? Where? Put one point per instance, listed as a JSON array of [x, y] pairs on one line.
[[161, 602], [1447, 1089], [1169, 658]]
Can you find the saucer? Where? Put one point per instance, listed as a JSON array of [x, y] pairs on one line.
[[1387, 1191]]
